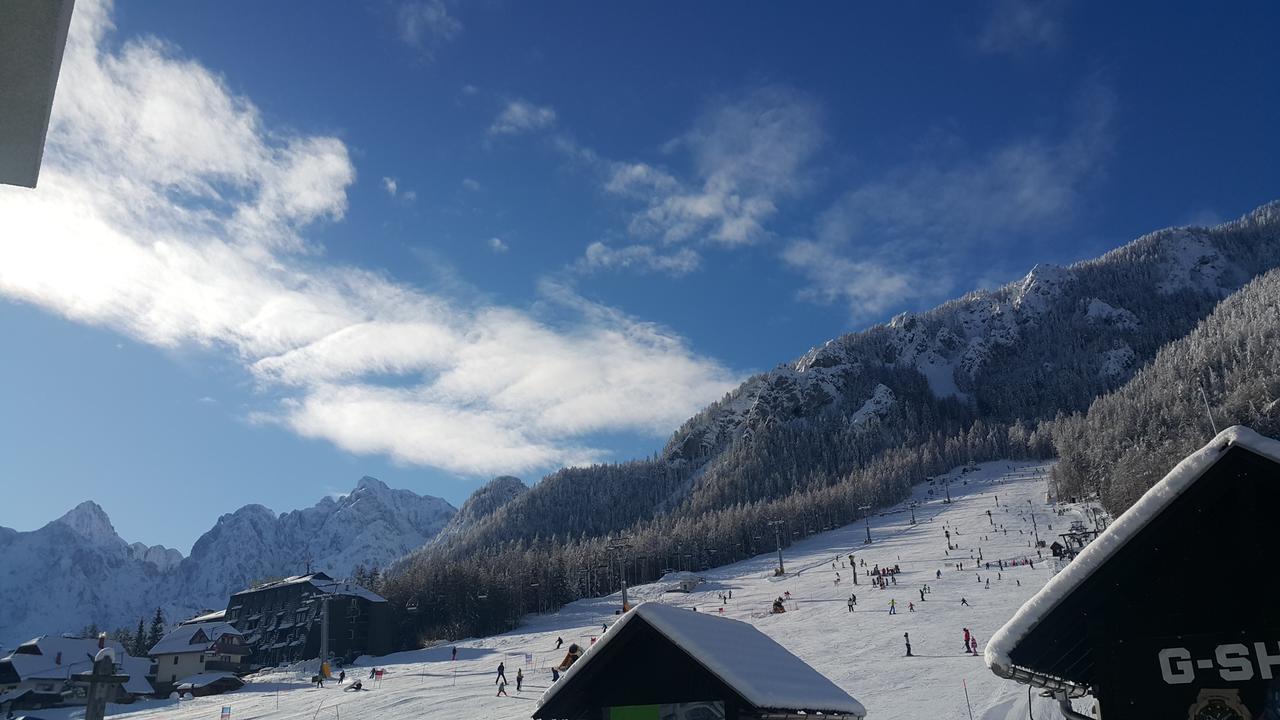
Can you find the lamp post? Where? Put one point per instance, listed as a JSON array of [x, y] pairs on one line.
[[913, 513], [866, 516]]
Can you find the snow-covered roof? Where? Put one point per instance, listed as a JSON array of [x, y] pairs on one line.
[[76, 657], [753, 664], [347, 589], [207, 617], [178, 640], [201, 679], [1115, 537], [324, 583]]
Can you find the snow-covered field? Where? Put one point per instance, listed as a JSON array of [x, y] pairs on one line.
[[862, 651]]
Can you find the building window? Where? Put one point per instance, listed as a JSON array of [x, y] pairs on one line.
[[175, 659]]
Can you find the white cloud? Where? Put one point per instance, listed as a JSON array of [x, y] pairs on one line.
[[390, 185], [522, 116], [497, 245], [471, 185], [427, 25], [925, 214], [747, 154], [643, 258], [168, 212], [1017, 25]]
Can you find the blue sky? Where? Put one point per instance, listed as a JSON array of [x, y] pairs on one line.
[[275, 250]]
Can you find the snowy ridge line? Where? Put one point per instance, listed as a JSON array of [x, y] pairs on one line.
[[1115, 537]]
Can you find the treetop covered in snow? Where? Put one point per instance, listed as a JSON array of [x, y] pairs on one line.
[[753, 664], [1112, 540]]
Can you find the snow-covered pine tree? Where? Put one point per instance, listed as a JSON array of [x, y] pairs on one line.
[[157, 628]]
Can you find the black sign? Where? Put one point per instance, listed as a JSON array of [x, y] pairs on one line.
[[1197, 677]]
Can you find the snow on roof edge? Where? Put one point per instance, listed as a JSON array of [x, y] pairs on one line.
[[1116, 536], [653, 613]]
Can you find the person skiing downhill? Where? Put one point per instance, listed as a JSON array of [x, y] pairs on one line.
[[964, 602], [559, 642], [911, 607], [502, 673], [893, 607]]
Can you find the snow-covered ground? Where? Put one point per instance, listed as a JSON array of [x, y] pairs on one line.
[[862, 651]]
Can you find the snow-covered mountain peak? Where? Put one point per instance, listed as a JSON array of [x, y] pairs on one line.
[[90, 522], [371, 483], [1040, 288]]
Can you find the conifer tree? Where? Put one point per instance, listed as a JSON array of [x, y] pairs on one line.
[[157, 628]]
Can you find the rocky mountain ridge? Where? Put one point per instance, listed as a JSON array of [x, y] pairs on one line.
[[77, 570]]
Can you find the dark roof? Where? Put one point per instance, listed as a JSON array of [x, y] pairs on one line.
[[1134, 582], [284, 582], [658, 654]]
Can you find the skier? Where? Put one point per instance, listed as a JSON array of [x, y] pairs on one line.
[[850, 603], [893, 607], [907, 639], [938, 575], [604, 627], [342, 677], [921, 594], [356, 686], [973, 645], [502, 673], [317, 680], [988, 583], [559, 642], [502, 688], [555, 675], [967, 637], [964, 602], [455, 653], [911, 607], [372, 672], [519, 678]]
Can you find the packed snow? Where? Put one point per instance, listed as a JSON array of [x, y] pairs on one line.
[[862, 651]]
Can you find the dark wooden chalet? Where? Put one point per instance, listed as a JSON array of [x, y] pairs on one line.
[[660, 662], [1171, 611]]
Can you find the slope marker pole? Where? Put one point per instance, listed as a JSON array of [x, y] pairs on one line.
[[966, 697]]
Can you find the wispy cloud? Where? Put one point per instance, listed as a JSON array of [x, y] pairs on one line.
[[522, 116], [497, 245], [642, 258], [177, 219], [949, 202], [392, 186], [469, 184], [743, 155], [1018, 25], [427, 25]]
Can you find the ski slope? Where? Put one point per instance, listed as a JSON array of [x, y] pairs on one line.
[[861, 651]]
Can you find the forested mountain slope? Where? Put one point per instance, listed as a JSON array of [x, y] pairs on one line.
[[1130, 438], [1045, 344], [852, 423]]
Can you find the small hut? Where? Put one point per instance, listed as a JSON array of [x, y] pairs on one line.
[[660, 662], [1170, 612]]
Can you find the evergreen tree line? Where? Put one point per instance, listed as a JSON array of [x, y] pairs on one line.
[[1129, 439], [446, 594], [136, 642]]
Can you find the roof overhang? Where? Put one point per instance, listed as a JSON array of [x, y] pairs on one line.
[[33, 34], [1001, 647]]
